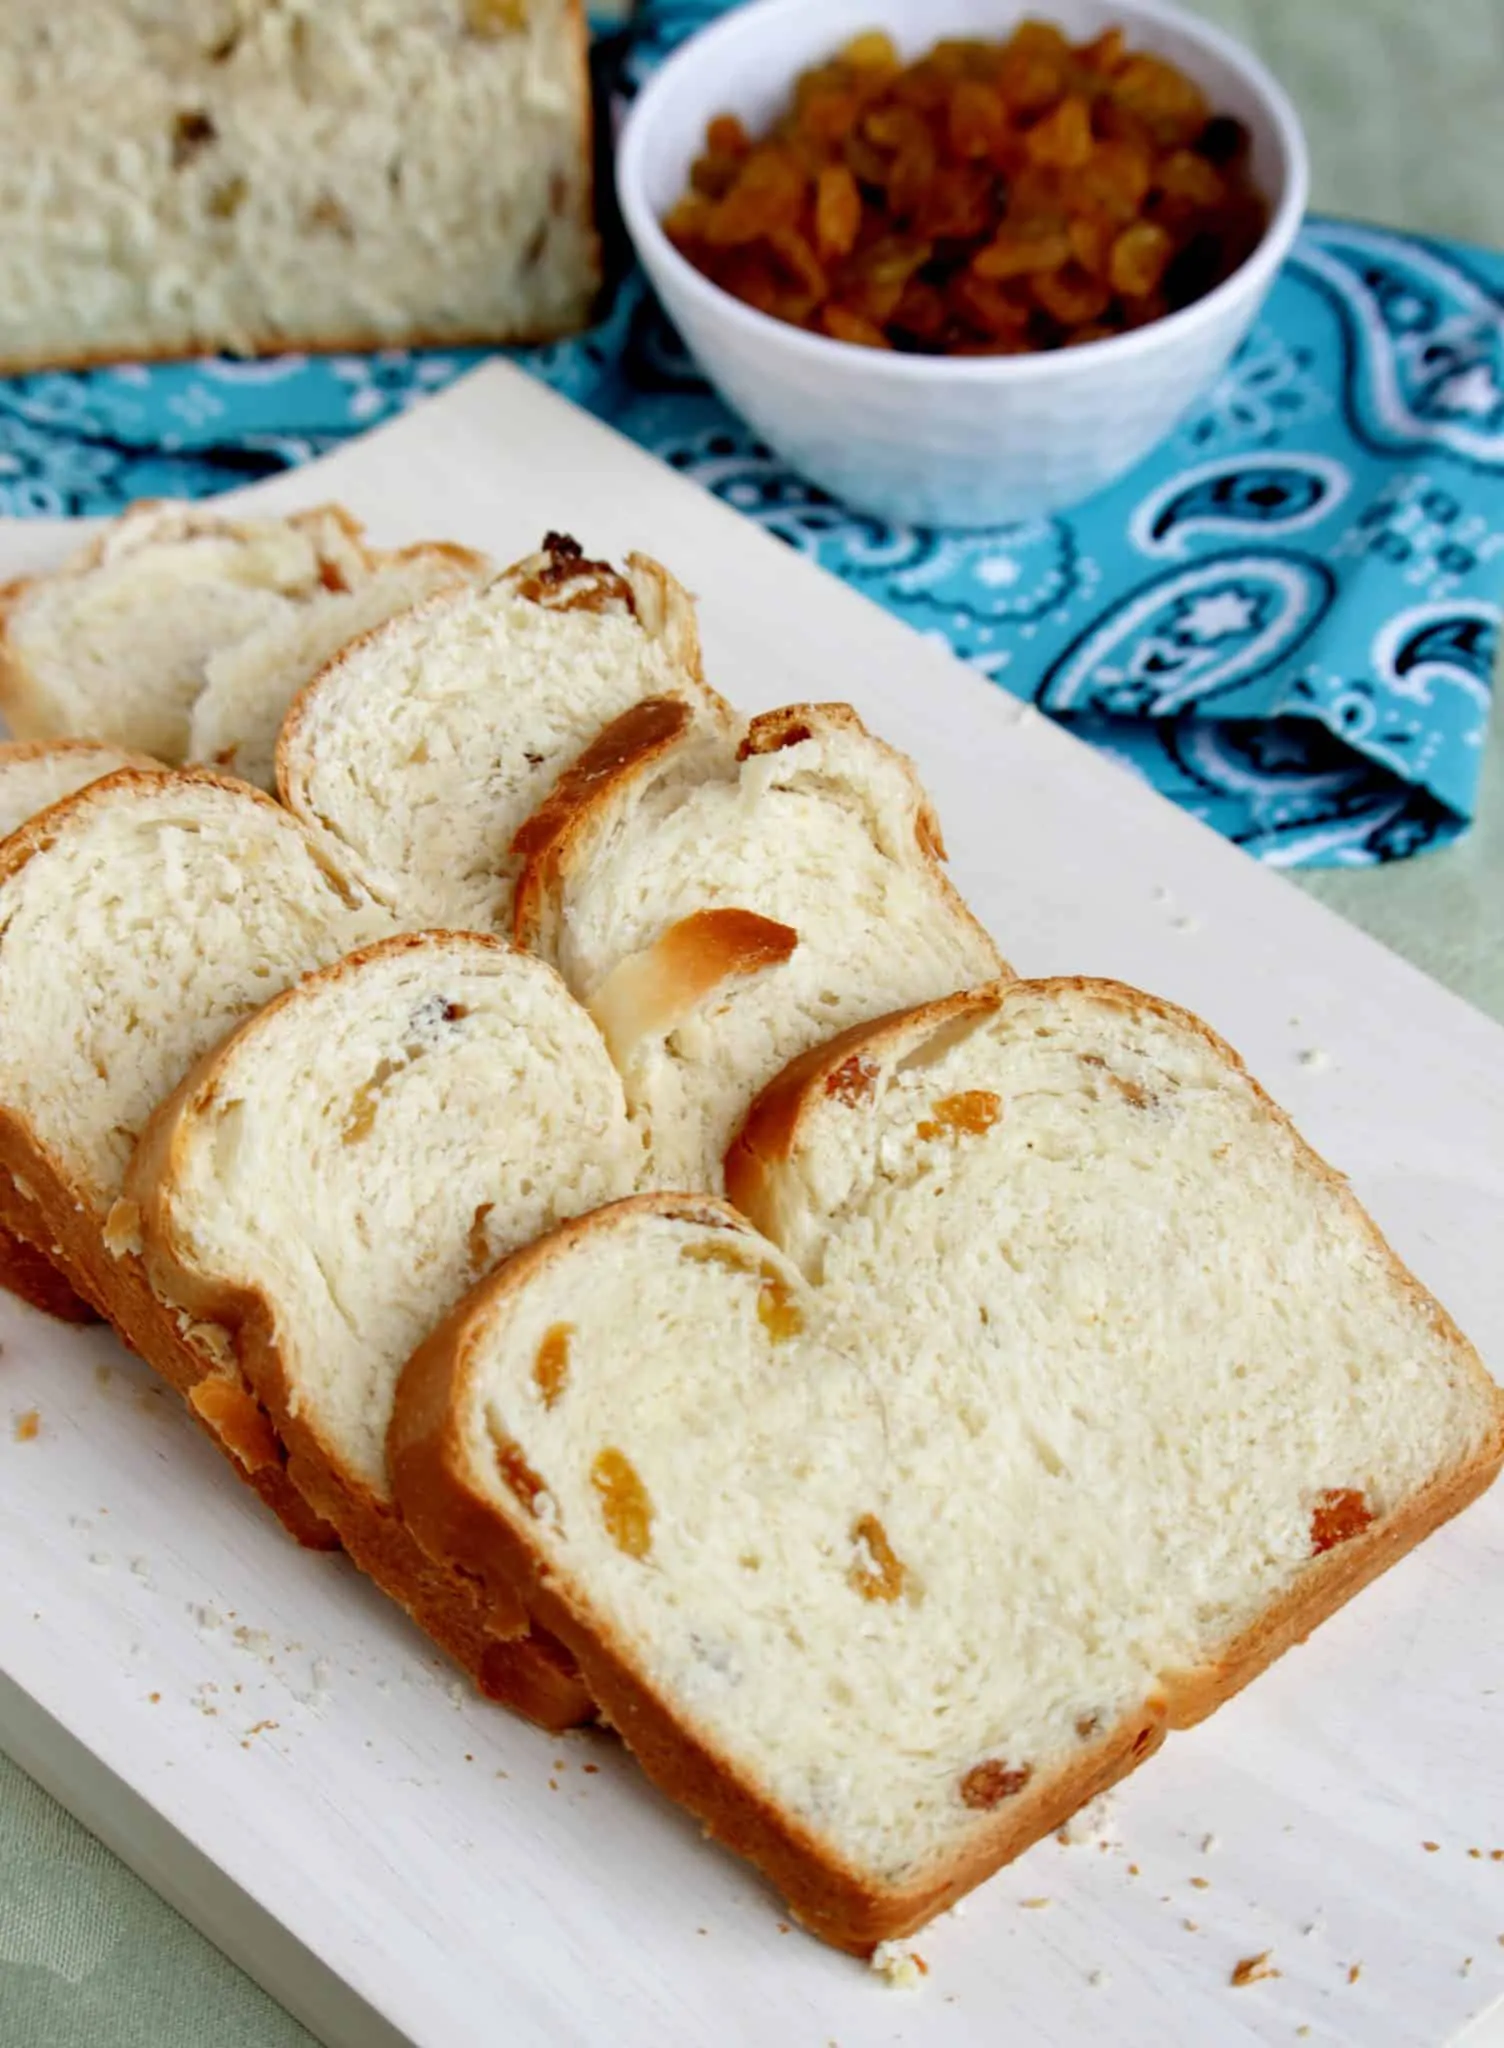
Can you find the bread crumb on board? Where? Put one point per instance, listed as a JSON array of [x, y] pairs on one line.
[[1094, 1822], [902, 1969], [1253, 1969], [28, 1426]]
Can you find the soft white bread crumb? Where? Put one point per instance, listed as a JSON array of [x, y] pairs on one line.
[[36, 773], [1098, 1389], [418, 753], [138, 922], [114, 644], [812, 824], [198, 175], [250, 683], [364, 1149]]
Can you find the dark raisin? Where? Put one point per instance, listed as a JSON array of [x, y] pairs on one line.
[[1224, 140]]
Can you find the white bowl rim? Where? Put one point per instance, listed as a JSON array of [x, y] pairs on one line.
[[749, 20]]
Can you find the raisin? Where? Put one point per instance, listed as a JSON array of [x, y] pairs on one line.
[[478, 1244], [882, 186], [1138, 260], [551, 1366], [853, 1082], [969, 1114], [987, 1785], [838, 211], [1339, 1514], [877, 1573], [777, 1310], [518, 1473], [626, 1509], [1224, 140]]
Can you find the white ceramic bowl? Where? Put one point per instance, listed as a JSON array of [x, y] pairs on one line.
[[971, 441]]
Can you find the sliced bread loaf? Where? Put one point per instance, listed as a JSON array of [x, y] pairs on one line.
[[113, 645], [419, 1110], [139, 921], [644, 864], [34, 774], [418, 753], [250, 684], [187, 176], [1096, 1392]]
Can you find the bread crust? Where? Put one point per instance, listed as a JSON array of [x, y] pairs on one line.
[[654, 591], [427, 1458], [486, 1631], [39, 1203], [557, 837], [26, 707]]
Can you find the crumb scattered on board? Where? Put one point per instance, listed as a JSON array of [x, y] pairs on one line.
[[901, 1968], [28, 1426], [1253, 1969], [1355, 1971]]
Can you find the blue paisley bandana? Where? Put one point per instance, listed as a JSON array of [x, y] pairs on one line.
[[1285, 619]]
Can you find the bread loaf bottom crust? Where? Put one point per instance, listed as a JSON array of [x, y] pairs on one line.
[[357, 342], [40, 1207], [31, 1276]]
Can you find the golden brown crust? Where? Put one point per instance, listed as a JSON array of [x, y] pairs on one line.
[[543, 843], [841, 1065], [426, 1457], [36, 1202], [31, 1276], [428, 1461], [488, 1637]]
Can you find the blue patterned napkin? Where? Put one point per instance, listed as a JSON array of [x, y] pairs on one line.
[[1285, 619]]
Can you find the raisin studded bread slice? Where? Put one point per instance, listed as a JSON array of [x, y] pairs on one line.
[[139, 921], [34, 774], [644, 863], [1086, 1391], [421, 1109], [113, 644], [418, 753], [188, 176], [250, 684]]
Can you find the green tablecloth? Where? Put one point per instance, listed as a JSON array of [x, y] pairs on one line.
[[1402, 106]]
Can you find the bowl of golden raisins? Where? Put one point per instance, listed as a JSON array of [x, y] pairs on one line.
[[958, 265]]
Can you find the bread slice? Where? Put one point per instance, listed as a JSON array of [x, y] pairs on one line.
[[34, 774], [418, 753], [250, 684], [420, 1109], [643, 866], [195, 176], [113, 645], [1086, 1392], [139, 921]]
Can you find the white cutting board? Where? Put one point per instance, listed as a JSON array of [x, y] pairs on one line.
[[275, 1748]]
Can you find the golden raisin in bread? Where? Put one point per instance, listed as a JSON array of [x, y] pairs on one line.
[[1082, 1412], [327, 1183], [720, 901]]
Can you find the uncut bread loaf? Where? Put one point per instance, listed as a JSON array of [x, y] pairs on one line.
[[196, 176], [416, 755], [1067, 1390], [34, 774], [250, 684], [421, 1109], [720, 901], [139, 921], [114, 644]]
